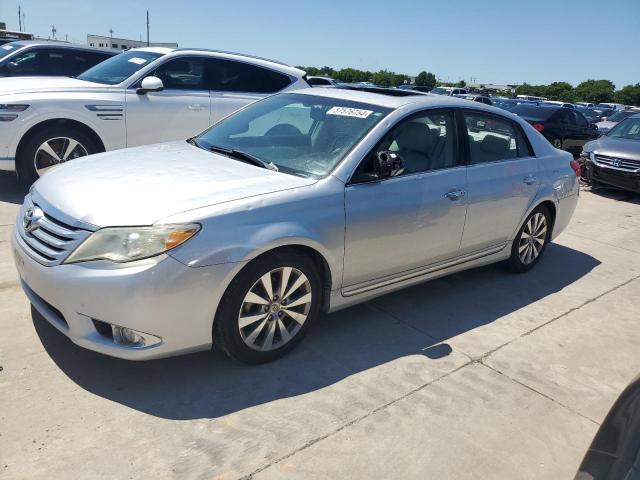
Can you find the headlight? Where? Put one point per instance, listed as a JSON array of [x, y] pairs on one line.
[[125, 244]]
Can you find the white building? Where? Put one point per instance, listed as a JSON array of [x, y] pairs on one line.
[[123, 43]]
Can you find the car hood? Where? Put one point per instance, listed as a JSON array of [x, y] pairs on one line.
[[606, 124], [139, 186], [615, 147], [10, 85]]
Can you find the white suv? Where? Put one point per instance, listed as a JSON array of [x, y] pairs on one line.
[[142, 96]]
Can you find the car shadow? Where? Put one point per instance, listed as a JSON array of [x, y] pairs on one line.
[[208, 385], [11, 191], [614, 193]]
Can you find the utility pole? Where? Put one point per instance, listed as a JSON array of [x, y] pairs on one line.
[[20, 17], [53, 31], [147, 28], [111, 37]]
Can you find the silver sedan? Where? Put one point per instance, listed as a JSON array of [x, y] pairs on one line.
[[302, 203]]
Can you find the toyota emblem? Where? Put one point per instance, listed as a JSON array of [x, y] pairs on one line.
[[31, 219]]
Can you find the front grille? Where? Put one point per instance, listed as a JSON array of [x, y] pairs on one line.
[[49, 240], [623, 164]]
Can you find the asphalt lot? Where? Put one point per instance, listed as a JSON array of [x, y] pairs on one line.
[[483, 375]]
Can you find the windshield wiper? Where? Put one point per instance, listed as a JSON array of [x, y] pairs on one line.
[[244, 156]]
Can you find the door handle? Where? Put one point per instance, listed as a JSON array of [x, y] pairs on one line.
[[454, 195], [530, 180]]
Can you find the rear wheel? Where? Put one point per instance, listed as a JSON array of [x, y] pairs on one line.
[[268, 308], [50, 147], [531, 241]]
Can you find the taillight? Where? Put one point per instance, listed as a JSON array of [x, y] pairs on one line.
[[577, 168], [538, 126]]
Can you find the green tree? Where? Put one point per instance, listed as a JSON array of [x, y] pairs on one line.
[[596, 91], [629, 95], [562, 91], [461, 84], [426, 79]]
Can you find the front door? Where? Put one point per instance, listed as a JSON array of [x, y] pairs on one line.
[[411, 220], [181, 110], [502, 181]]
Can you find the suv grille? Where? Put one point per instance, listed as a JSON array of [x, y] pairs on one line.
[[49, 241], [623, 164]]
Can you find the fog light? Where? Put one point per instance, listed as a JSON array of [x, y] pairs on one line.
[[130, 338]]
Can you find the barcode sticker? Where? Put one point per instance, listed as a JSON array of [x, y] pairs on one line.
[[138, 61], [349, 112]]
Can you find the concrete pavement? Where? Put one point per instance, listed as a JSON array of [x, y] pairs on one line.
[[483, 375]]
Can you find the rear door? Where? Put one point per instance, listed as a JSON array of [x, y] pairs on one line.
[[179, 111], [234, 84], [502, 180]]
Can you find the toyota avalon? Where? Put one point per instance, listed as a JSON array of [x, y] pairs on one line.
[[301, 203]]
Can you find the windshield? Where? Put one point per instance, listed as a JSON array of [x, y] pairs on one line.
[[619, 116], [8, 49], [628, 129], [440, 91], [117, 69], [300, 134]]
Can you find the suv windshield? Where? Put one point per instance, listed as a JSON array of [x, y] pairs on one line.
[[628, 129], [9, 48], [440, 91], [299, 134], [117, 69]]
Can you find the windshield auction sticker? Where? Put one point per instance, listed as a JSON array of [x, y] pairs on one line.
[[138, 61], [349, 112]]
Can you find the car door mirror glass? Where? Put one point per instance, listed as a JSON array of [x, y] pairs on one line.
[[388, 164], [11, 67], [150, 84]]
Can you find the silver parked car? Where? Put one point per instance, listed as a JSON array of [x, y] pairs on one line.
[[301, 203], [614, 158]]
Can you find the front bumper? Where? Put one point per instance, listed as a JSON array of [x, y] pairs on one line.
[[158, 296], [617, 178]]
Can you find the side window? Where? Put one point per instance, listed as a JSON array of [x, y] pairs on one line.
[[182, 74], [424, 142], [580, 120], [33, 62], [231, 76], [492, 139]]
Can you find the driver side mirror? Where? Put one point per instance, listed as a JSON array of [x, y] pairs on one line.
[[388, 164], [11, 67], [150, 84]]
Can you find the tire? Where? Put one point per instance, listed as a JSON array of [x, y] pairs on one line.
[[267, 322], [33, 159], [525, 253]]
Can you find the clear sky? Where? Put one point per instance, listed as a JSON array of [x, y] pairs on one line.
[[493, 41]]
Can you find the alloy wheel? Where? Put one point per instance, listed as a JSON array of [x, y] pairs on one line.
[[533, 237], [275, 308], [55, 151]]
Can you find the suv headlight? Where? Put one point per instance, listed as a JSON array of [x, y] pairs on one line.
[[125, 244]]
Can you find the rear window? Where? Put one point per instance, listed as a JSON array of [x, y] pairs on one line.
[[533, 112]]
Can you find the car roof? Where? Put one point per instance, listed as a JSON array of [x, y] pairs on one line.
[[381, 99], [256, 59], [53, 43]]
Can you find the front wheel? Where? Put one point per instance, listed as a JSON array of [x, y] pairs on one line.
[[49, 147], [531, 240], [268, 307]]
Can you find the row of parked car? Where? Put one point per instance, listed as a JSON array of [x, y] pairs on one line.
[[104, 99]]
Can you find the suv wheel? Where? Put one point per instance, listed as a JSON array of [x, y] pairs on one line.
[[531, 241], [268, 308], [50, 147]]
